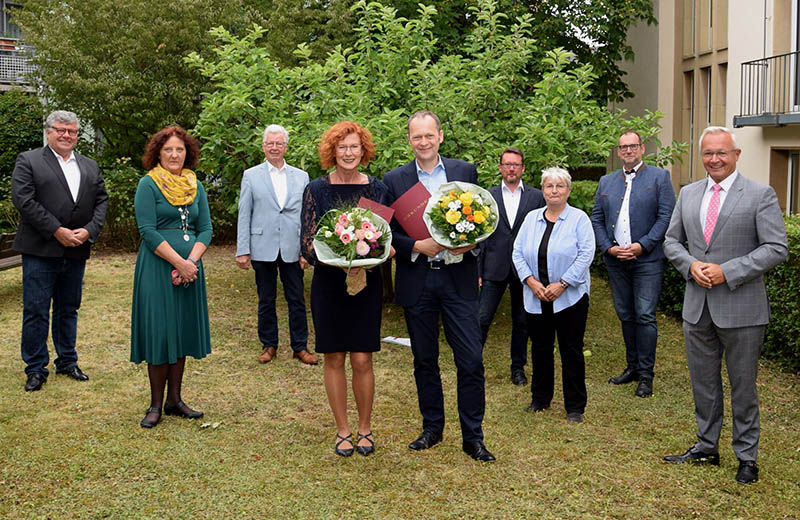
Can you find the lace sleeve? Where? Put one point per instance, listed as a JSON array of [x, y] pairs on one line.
[[308, 226]]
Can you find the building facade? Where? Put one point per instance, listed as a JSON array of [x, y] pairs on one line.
[[731, 63]]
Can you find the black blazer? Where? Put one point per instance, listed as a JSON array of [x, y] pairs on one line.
[[41, 194], [410, 276], [494, 262]]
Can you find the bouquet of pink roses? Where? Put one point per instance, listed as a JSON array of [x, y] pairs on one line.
[[354, 237]]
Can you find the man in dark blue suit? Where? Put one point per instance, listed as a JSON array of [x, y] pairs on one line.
[[495, 269], [632, 209], [426, 287]]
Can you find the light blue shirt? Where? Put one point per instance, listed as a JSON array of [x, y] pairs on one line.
[[569, 254], [431, 181]]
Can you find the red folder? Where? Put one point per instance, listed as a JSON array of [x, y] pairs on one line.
[[385, 212], [408, 210]]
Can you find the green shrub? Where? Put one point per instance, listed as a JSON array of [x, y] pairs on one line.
[[783, 285], [122, 179]]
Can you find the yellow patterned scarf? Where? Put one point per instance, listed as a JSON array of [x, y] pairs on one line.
[[179, 190]]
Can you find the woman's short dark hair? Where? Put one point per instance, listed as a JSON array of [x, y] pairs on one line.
[[152, 150], [334, 135]]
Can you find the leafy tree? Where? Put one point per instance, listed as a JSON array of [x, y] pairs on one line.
[[119, 63], [20, 130], [482, 94]]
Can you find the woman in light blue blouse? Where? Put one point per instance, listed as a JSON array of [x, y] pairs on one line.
[[552, 254]]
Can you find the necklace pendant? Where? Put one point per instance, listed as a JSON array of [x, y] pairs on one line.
[[185, 237]]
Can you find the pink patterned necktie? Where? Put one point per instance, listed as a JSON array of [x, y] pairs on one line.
[[712, 214]]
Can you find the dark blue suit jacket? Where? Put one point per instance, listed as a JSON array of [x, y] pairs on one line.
[[650, 208], [410, 276], [494, 262]]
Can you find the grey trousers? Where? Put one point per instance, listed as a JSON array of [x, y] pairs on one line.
[[705, 344]]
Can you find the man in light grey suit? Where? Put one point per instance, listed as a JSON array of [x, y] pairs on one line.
[[725, 233], [269, 239]]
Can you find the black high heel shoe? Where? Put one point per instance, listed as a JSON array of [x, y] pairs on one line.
[[365, 450], [342, 452], [181, 410], [149, 424]]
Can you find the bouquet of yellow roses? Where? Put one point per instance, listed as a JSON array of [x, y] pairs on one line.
[[460, 214]]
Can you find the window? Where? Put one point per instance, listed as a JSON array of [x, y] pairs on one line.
[[793, 204], [9, 28]]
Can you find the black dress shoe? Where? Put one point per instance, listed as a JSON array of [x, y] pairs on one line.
[[145, 423], [365, 450], [748, 472], [74, 372], [478, 451], [645, 387], [575, 417], [426, 440], [181, 410], [694, 456], [533, 407], [343, 452], [35, 381], [628, 375], [518, 378]]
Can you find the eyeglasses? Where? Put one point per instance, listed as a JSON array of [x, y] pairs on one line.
[[274, 144], [558, 186], [626, 147], [722, 154], [510, 164], [62, 131], [353, 148]]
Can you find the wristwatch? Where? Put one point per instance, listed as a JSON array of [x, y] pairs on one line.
[[564, 284], [196, 262]]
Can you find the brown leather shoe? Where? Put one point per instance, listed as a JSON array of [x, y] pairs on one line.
[[306, 357], [267, 355]]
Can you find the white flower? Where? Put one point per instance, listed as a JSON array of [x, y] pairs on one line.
[[328, 234], [454, 205], [452, 234], [476, 200], [470, 226], [369, 235], [460, 226]]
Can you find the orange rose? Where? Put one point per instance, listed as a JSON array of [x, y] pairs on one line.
[[466, 210]]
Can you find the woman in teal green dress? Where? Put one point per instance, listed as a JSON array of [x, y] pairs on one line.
[[169, 316]]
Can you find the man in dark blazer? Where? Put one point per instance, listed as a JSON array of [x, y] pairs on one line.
[[631, 213], [725, 233], [62, 203], [426, 287], [495, 269]]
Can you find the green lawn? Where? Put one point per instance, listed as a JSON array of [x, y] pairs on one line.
[[75, 450]]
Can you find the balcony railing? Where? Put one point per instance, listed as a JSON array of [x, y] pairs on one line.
[[770, 92], [15, 64]]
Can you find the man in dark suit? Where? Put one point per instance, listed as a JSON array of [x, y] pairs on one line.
[[725, 233], [426, 287], [62, 203], [631, 213], [495, 269]]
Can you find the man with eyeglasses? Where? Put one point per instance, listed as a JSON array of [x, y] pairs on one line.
[[62, 202], [268, 239], [495, 269], [726, 232], [632, 208]]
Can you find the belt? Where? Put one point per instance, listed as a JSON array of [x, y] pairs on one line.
[[162, 228], [436, 264]]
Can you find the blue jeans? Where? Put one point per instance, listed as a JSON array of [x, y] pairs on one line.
[[267, 284], [491, 293], [45, 280], [636, 288]]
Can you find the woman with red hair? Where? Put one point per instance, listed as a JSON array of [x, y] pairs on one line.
[[344, 323]]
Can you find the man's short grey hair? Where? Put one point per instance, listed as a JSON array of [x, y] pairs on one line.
[[275, 129], [717, 130], [61, 116], [557, 174]]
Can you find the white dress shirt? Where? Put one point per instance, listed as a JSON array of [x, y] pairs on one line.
[[511, 201], [71, 173], [723, 193], [622, 231], [279, 182]]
